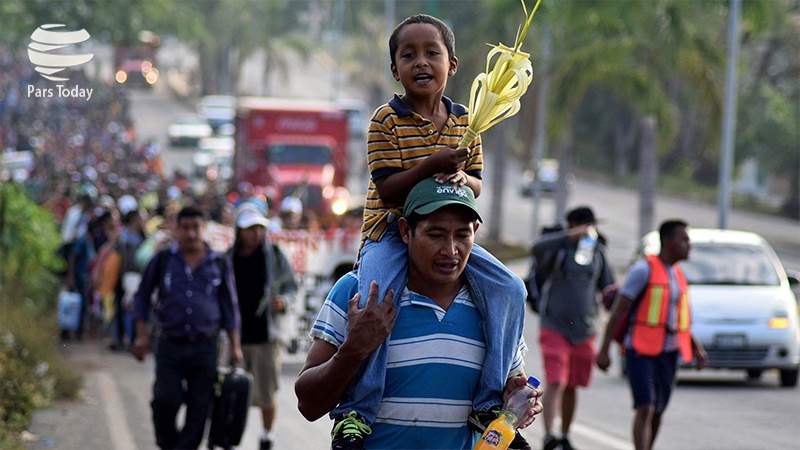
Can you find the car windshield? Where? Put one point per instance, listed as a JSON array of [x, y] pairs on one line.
[[729, 264], [315, 155]]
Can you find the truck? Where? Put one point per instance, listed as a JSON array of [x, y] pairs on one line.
[[135, 63], [319, 258], [294, 147]]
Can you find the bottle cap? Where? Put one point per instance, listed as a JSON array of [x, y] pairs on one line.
[[533, 381]]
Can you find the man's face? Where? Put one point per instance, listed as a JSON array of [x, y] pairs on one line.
[[679, 243], [422, 64], [190, 233], [439, 247]]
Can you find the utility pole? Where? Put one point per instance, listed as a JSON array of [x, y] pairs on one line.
[[336, 76], [648, 175], [389, 13], [540, 124], [729, 118]]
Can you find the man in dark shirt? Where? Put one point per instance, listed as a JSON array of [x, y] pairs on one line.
[[569, 315], [264, 284], [196, 298]]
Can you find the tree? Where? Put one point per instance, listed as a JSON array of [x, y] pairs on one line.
[[768, 123]]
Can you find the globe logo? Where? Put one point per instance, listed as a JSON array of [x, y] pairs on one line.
[[46, 41]]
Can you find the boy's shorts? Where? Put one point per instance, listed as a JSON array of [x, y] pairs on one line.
[[651, 378], [264, 362], [566, 363]]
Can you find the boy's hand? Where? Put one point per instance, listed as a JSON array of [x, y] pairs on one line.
[[459, 178], [449, 159]]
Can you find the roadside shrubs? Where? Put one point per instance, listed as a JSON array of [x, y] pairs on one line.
[[32, 372]]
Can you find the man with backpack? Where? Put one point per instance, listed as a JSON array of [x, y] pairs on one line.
[[568, 306], [196, 299]]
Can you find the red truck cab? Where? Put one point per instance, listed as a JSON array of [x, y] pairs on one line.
[[294, 147]]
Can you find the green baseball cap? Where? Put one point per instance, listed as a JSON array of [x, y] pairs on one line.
[[428, 196]]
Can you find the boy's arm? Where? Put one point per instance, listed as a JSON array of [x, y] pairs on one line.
[[475, 184], [394, 188]]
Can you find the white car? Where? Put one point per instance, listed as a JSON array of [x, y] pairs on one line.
[[743, 308], [217, 110], [187, 129], [546, 181]]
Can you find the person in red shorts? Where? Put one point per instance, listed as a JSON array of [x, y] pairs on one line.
[[569, 314]]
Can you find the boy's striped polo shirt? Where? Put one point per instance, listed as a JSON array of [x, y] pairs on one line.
[[400, 139]]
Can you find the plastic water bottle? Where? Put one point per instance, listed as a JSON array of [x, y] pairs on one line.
[[585, 252], [500, 432]]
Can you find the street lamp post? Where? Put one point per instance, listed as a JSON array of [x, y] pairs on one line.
[[729, 118], [541, 126]]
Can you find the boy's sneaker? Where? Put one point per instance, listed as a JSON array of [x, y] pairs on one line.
[[348, 432], [479, 420], [265, 444]]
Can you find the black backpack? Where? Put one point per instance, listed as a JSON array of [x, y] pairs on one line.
[[541, 270]]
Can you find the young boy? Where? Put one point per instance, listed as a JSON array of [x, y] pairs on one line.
[[413, 137]]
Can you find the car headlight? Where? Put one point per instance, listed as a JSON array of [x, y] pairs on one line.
[[339, 206], [780, 321], [152, 76], [341, 199]]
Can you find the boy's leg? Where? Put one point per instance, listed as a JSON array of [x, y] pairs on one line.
[[501, 300], [385, 262]]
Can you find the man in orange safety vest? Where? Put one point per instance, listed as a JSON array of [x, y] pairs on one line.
[[653, 306]]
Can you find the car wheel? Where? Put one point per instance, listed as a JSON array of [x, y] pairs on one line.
[[789, 377], [754, 374]]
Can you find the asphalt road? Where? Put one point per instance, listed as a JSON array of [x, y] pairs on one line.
[[709, 410]]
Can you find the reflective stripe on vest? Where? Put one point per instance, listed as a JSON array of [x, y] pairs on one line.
[[649, 329]]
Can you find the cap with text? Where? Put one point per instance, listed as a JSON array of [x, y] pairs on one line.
[[428, 196]]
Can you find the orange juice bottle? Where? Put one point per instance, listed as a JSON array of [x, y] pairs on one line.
[[498, 434], [501, 431]]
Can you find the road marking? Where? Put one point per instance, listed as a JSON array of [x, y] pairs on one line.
[[600, 437], [121, 436]]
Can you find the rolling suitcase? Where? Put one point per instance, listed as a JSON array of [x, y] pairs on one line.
[[69, 310], [231, 402]]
